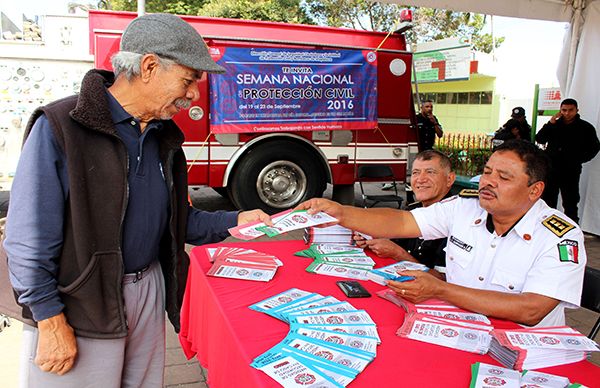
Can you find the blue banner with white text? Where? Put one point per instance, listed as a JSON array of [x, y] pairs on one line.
[[274, 89]]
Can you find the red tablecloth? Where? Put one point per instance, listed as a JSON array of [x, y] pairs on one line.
[[218, 326]]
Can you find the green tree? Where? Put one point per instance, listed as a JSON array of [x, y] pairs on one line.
[[433, 24], [429, 23], [288, 11], [181, 7], [356, 14]]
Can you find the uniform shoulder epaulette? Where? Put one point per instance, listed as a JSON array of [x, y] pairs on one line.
[[557, 225], [469, 193]]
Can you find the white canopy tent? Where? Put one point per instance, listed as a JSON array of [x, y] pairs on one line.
[[578, 79]]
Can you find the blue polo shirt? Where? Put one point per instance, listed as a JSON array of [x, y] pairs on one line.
[[34, 231], [148, 197]]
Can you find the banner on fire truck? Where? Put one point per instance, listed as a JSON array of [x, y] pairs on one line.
[[275, 89]]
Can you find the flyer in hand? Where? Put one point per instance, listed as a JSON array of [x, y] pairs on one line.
[[283, 222], [390, 272]]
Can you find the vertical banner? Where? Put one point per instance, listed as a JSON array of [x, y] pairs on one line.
[[273, 89]]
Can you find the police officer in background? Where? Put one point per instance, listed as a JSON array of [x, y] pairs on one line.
[[513, 129], [570, 142], [509, 255], [518, 114], [428, 126]]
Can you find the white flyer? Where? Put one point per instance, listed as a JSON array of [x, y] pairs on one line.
[[244, 272], [454, 314], [533, 340], [368, 344], [279, 299], [290, 372], [359, 330], [337, 270], [296, 219], [531, 378], [491, 376], [358, 317], [448, 335]]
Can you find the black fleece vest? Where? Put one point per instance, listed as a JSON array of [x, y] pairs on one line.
[[90, 266]]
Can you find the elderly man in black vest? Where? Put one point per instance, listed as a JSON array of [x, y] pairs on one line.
[[99, 215]]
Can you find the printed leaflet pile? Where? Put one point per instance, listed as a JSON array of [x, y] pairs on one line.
[[338, 260], [328, 345], [533, 348], [240, 263]]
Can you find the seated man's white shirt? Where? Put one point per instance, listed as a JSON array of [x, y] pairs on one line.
[[530, 258]]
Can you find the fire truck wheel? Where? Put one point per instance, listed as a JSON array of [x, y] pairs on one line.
[[277, 175]]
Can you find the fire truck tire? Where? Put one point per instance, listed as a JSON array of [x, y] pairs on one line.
[[276, 176]]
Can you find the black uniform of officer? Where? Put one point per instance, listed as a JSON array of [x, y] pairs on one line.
[[570, 142]]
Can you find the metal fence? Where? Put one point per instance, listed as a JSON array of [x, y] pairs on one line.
[[468, 152]]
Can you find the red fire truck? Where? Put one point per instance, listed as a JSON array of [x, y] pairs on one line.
[[299, 107]]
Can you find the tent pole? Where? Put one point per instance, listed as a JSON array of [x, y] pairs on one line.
[[575, 34], [141, 7]]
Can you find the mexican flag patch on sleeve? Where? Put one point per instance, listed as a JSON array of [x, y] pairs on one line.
[[568, 250]]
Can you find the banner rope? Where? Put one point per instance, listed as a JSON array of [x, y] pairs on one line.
[[197, 156], [377, 49], [387, 36]]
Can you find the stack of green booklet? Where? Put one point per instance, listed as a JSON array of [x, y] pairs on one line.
[[338, 260]]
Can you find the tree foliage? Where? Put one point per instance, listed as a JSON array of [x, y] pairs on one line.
[[429, 23], [288, 11], [356, 14], [433, 24], [180, 7]]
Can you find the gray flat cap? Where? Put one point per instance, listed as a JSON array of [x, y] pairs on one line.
[[168, 36]]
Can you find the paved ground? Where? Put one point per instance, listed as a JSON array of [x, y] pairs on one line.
[[180, 372]]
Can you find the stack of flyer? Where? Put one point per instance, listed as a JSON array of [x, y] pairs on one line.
[[435, 307], [240, 263], [440, 323], [489, 376], [283, 222], [533, 348], [335, 234], [338, 260], [328, 345], [452, 333], [390, 272]]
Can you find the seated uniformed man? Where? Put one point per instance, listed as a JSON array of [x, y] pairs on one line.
[[509, 255], [431, 180]]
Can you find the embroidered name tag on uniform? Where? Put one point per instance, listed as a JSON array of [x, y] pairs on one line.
[[460, 244], [557, 225], [568, 250]]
